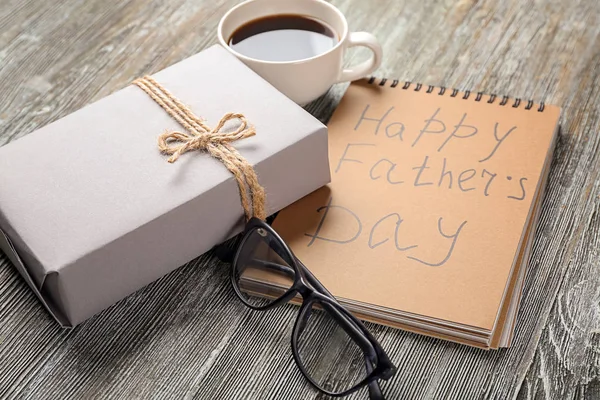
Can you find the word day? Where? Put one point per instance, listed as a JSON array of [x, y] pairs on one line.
[[385, 232]]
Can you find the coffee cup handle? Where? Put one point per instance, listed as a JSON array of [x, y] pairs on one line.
[[366, 67]]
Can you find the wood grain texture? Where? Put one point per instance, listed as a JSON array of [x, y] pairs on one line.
[[187, 336]]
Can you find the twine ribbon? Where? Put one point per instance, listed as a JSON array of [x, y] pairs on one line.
[[201, 137]]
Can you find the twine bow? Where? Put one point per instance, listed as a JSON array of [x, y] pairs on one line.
[[218, 144]]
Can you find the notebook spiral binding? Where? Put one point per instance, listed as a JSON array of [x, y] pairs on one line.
[[441, 90]]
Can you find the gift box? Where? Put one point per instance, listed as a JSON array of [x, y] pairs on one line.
[[91, 210]]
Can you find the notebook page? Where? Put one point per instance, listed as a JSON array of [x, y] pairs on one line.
[[428, 201]]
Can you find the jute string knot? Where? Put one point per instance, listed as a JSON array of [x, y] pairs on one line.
[[199, 136]]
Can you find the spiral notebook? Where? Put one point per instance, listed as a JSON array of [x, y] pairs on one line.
[[429, 218]]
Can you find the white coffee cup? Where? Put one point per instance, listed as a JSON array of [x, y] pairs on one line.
[[303, 80]]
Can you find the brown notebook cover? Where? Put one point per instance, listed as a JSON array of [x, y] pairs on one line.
[[427, 222]]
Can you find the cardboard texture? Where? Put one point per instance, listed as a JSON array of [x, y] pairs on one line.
[[431, 209], [91, 211]]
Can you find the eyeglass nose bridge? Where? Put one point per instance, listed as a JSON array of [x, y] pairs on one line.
[[303, 286]]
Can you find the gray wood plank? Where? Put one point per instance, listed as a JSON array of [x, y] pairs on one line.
[[187, 336], [567, 361]]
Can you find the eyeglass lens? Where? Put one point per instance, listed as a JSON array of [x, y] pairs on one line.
[[328, 354], [261, 260]]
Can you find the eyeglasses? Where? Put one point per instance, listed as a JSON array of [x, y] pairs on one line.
[[332, 348]]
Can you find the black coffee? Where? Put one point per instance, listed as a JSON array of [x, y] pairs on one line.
[[284, 37]]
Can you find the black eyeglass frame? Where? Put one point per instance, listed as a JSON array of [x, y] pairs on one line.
[[312, 291]]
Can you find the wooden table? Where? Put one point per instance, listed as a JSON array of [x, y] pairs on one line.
[[187, 335]]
